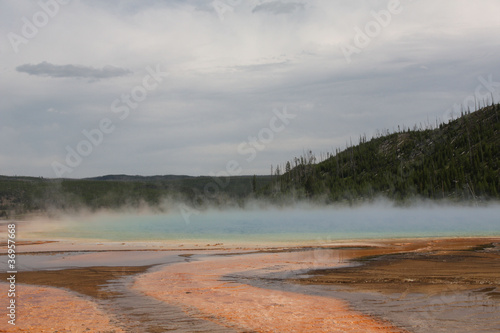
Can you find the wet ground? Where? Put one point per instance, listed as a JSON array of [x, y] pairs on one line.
[[442, 287], [418, 286], [451, 310], [110, 288], [137, 313]]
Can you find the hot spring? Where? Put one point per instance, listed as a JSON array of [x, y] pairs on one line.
[[299, 224]]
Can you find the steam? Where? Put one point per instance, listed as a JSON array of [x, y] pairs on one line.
[[258, 221]]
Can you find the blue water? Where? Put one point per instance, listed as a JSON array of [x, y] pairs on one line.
[[286, 225]]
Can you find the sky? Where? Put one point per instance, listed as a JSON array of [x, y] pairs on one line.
[[193, 87]]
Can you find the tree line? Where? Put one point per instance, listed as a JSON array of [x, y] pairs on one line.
[[458, 160]]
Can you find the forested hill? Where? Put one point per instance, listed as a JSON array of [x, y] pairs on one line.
[[23, 195], [459, 160]]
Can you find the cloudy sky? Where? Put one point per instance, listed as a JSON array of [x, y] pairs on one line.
[[196, 87]]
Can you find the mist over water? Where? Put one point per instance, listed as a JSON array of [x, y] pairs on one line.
[[298, 224]]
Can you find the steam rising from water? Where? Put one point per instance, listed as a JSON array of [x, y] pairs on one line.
[[302, 223]]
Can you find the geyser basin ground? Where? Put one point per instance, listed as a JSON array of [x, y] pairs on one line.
[[222, 290], [147, 272]]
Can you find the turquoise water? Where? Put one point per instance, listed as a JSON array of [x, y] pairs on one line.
[[285, 225]]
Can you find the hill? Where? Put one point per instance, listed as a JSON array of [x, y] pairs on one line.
[[459, 160], [139, 178], [22, 195]]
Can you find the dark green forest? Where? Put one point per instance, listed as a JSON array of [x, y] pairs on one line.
[[457, 161], [24, 195]]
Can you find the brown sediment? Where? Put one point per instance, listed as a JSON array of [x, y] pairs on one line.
[[421, 267], [24, 243], [86, 281], [45, 309]]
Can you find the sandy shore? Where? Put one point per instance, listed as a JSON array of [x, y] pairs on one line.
[[239, 289]]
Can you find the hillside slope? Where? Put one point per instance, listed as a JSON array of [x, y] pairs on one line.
[[459, 160]]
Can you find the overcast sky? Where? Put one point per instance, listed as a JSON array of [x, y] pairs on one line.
[[195, 87]]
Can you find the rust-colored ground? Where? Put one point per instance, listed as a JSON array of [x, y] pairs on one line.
[[200, 286], [425, 267], [45, 309]]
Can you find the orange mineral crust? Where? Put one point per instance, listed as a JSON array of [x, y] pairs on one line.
[[46, 309], [199, 287]]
